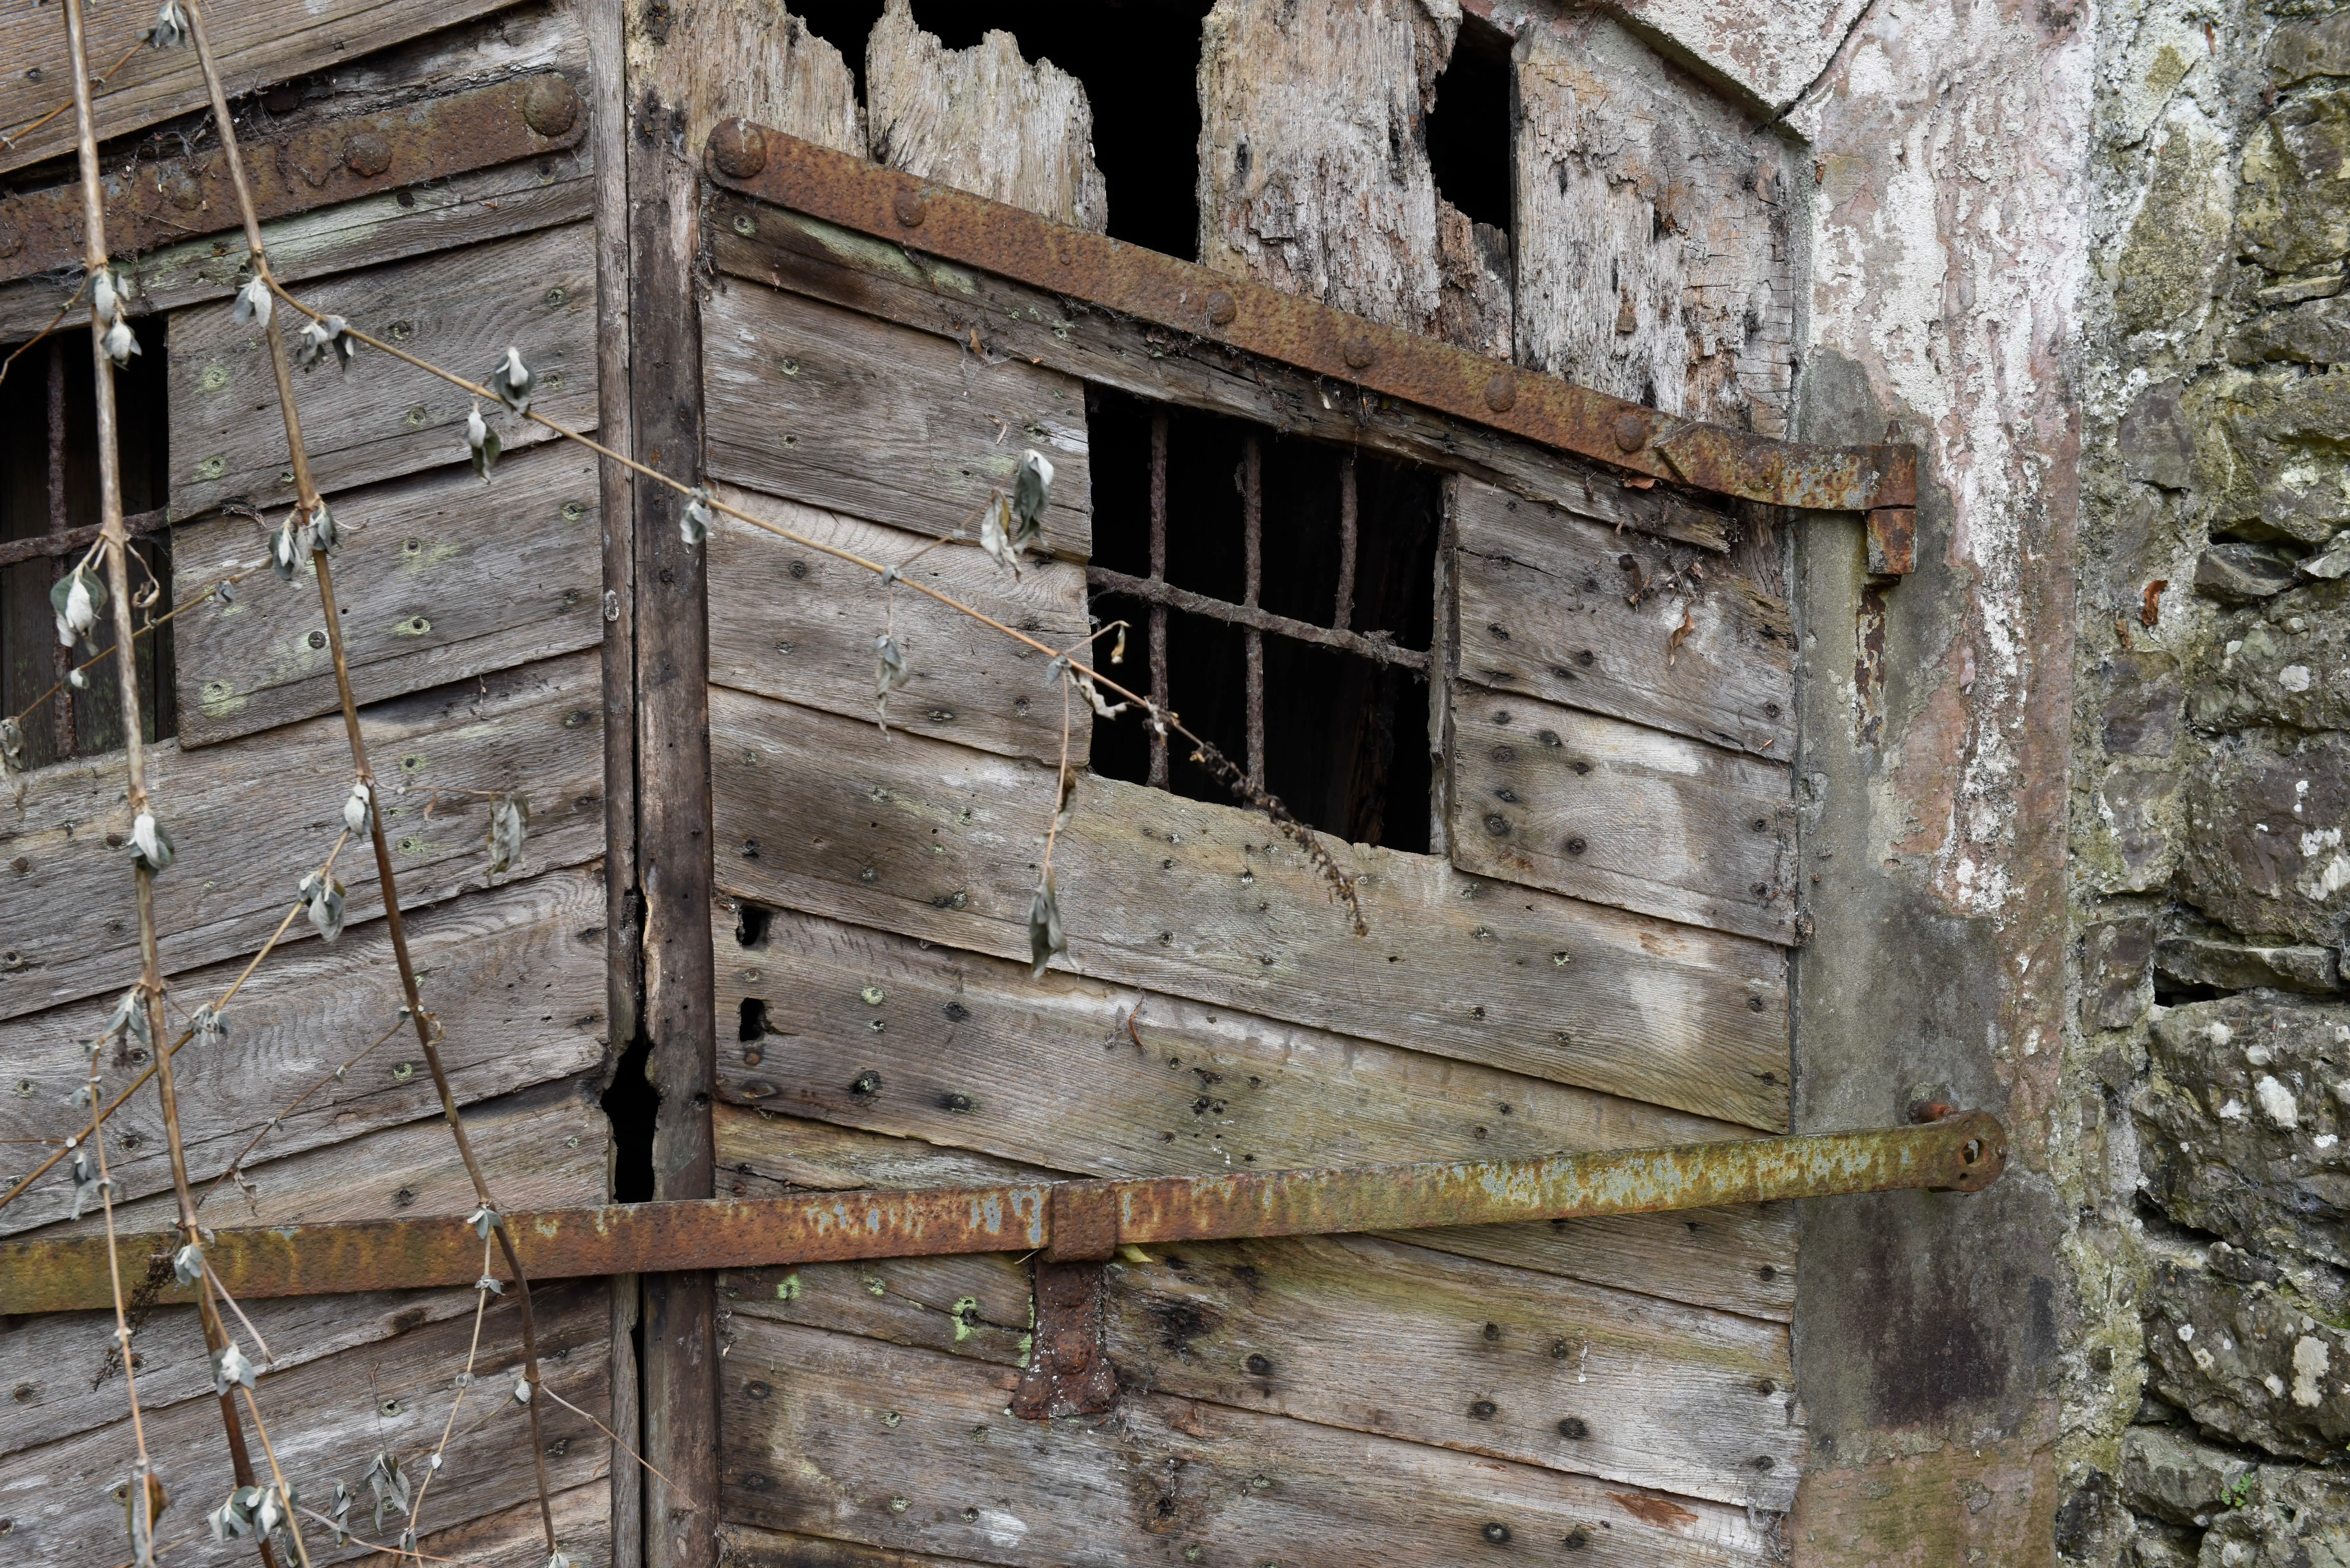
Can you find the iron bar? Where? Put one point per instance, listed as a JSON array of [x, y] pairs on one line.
[[1167, 593], [1157, 777], [1963, 1153], [1252, 583], [61, 658], [1342, 615], [17, 552]]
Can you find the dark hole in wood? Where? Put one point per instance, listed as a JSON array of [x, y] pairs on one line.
[[633, 1104], [1469, 136], [750, 922], [753, 1025]]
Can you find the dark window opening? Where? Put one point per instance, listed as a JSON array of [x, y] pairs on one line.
[[1343, 736], [1470, 130], [1140, 62], [48, 486]]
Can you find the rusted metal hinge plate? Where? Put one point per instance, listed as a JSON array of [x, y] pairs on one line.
[[1186, 297], [150, 204], [1964, 1153]]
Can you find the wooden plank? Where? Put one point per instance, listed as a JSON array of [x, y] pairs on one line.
[[808, 256], [457, 309], [796, 624], [1545, 609], [583, 1523], [547, 1145], [250, 818], [1622, 815], [825, 406], [1065, 1074], [983, 120], [326, 1417], [256, 44], [442, 576], [910, 835], [748, 1546], [514, 975], [952, 1475], [719, 62]]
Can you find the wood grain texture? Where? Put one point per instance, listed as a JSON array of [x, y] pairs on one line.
[[788, 250], [546, 1146], [442, 577], [583, 1523], [1623, 814], [250, 816], [256, 44], [716, 61], [1064, 1073], [820, 1456], [458, 308], [1314, 174], [326, 1417], [1656, 246], [514, 975], [1474, 299], [1545, 609], [794, 623], [933, 841], [821, 405], [983, 120], [748, 1546]]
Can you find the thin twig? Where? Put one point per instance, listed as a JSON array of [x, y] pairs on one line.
[[464, 1383], [607, 1432], [27, 346], [153, 621], [268, 1357], [296, 1105], [285, 1493], [121, 1323], [10, 139]]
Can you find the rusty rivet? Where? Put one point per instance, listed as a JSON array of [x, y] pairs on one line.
[[1631, 431], [740, 149], [1221, 308], [550, 105], [1501, 392], [908, 208], [366, 154], [1359, 352], [179, 189]]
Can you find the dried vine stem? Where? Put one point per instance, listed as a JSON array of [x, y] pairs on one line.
[[114, 542], [142, 1540], [307, 497]]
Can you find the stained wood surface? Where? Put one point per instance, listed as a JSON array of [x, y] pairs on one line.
[[1474, 299], [256, 44], [461, 309], [583, 1523], [1624, 157], [442, 577], [250, 818], [820, 1455], [716, 61], [753, 1547], [826, 407], [1065, 1074], [1545, 609], [326, 1419], [933, 841], [983, 120], [546, 1147], [1030, 325], [790, 622], [1620, 814], [514, 975], [1314, 174]]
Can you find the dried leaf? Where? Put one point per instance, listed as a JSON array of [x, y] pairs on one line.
[[889, 673], [140, 1521], [1044, 935], [129, 1018], [486, 1283], [484, 1221], [320, 531], [512, 381], [322, 896], [1102, 707], [358, 809], [188, 1265], [284, 551], [171, 29], [151, 846], [12, 747], [693, 523], [1032, 488], [995, 527], [120, 343], [480, 443], [324, 337], [341, 1514], [509, 821], [209, 1026], [1681, 634], [233, 1519], [87, 1182], [230, 1369], [388, 1486], [253, 304], [521, 1387], [77, 598]]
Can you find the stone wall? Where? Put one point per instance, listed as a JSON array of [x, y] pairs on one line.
[[2208, 1409]]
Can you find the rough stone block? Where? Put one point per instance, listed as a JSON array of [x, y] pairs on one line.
[[2167, 1474], [2288, 663], [2234, 572], [2269, 452], [2189, 961], [2249, 1361], [2316, 46], [2117, 983], [2316, 332], [2293, 211], [2264, 850], [2142, 704], [2289, 1519], [2131, 846], [2161, 1545], [2155, 444]]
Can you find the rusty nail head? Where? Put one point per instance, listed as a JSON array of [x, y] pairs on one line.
[[740, 149], [179, 188], [1221, 309], [909, 209], [550, 105], [1359, 352], [1501, 392], [366, 154], [1631, 433]]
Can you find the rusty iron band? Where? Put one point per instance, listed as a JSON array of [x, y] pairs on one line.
[[1076, 1219]]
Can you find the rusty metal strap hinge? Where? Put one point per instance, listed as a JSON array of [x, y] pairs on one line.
[[1184, 296], [1066, 1220]]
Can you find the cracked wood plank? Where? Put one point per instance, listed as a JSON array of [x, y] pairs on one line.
[[713, 60]]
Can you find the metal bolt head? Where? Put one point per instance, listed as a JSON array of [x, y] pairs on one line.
[[550, 105], [1221, 308], [366, 153], [908, 208], [739, 148], [181, 189], [1359, 352], [1631, 431], [1501, 392]]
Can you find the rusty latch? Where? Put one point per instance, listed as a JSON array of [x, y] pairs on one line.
[[1084, 1222]]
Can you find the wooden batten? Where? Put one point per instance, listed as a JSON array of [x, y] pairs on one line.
[[824, 406], [442, 577], [461, 308]]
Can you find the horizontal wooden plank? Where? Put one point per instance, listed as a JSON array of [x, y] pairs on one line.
[[583, 1523], [1545, 609], [1065, 1074], [837, 409], [440, 578], [794, 623], [907, 1449], [547, 1146], [250, 818], [787, 250], [516, 975], [461, 309], [256, 44], [1620, 814], [933, 841], [748, 1546], [326, 1419]]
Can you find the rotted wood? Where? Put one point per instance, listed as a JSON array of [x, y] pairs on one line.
[[532, 729], [448, 578], [938, 843], [717, 60], [834, 408], [463, 307]]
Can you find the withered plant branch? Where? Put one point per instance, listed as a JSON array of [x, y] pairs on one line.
[[465, 1384], [27, 346], [17, 134], [190, 602], [115, 546], [285, 1493], [122, 1321], [306, 494]]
